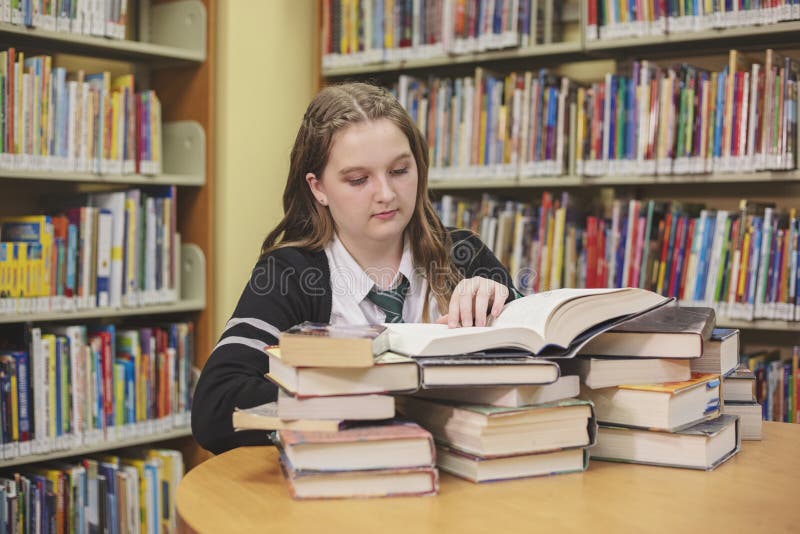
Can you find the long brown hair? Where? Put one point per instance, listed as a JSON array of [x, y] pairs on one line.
[[306, 225]]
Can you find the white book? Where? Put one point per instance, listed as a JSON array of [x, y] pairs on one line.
[[509, 396], [115, 204], [105, 230], [599, 373]]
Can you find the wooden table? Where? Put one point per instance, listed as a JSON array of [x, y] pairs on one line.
[[755, 491]]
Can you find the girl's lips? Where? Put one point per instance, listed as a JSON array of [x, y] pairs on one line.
[[385, 215]]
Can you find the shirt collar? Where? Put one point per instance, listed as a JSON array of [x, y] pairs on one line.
[[347, 276]]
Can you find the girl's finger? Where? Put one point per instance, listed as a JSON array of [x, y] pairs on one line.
[[500, 296]]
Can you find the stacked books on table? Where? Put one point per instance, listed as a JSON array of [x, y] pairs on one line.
[[498, 414], [655, 383], [334, 417], [739, 398]]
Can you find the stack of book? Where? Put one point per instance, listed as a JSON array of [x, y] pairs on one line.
[[499, 415], [655, 383], [131, 492], [739, 398], [334, 417]]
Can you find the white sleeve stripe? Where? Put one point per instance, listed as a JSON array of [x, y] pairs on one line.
[[257, 323], [249, 342]]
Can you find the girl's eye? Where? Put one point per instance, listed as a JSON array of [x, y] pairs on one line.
[[397, 172], [357, 181]]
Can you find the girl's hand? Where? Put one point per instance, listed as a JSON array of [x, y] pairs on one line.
[[472, 299]]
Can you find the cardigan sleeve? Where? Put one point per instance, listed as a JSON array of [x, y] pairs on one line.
[[276, 297], [473, 258]]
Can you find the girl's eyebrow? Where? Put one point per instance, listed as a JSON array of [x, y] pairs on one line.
[[347, 170]]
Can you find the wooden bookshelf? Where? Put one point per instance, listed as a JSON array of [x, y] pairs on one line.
[[173, 55]]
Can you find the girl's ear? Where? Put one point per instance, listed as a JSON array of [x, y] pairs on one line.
[[317, 189]]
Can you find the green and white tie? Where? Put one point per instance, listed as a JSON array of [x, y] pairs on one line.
[[391, 301]]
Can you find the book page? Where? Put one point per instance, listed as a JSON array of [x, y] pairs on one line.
[[534, 310]]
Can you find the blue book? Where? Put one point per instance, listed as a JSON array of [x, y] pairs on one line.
[[704, 257], [23, 394], [754, 260]]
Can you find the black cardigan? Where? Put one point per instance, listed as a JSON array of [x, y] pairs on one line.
[[287, 286]]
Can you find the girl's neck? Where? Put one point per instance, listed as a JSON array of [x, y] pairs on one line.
[[380, 260]]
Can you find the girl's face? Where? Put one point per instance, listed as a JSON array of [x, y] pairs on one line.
[[369, 183]]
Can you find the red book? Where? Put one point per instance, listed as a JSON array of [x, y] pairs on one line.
[[664, 257], [591, 251], [687, 255], [680, 238]]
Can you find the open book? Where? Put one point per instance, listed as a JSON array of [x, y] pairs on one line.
[[553, 323]]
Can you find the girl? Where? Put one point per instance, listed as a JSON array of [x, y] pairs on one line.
[[359, 243]]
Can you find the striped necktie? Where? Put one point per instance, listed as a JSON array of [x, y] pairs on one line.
[[391, 300]]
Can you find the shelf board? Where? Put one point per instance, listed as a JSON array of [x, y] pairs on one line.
[[22, 36], [473, 183], [633, 181], [761, 324], [131, 179], [105, 313], [786, 31], [98, 447], [548, 50]]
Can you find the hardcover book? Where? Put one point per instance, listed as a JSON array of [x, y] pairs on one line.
[[265, 417], [666, 332], [391, 373], [490, 431], [391, 445], [606, 372], [476, 371], [552, 323], [510, 396], [478, 469], [720, 354], [739, 385], [670, 406], [322, 345], [705, 445]]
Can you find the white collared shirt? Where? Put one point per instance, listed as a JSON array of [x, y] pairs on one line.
[[350, 286]]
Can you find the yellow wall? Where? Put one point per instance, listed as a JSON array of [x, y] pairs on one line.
[[264, 82]]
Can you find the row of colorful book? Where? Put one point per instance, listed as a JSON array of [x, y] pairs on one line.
[[55, 120], [109, 250], [610, 19], [362, 32], [647, 120], [127, 492], [775, 382], [684, 119], [489, 126], [86, 17], [743, 263], [68, 386]]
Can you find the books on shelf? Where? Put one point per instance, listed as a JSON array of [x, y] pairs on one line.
[[776, 383], [601, 372], [58, 121], [667, 332], [565, 387], [554, 323], [492, 126], [101, 19], [607, 19], [667, 406], [72, 386], [102, 250], [130, 492], [705, 445], [687, 120], [360, 33], [740, 262]]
